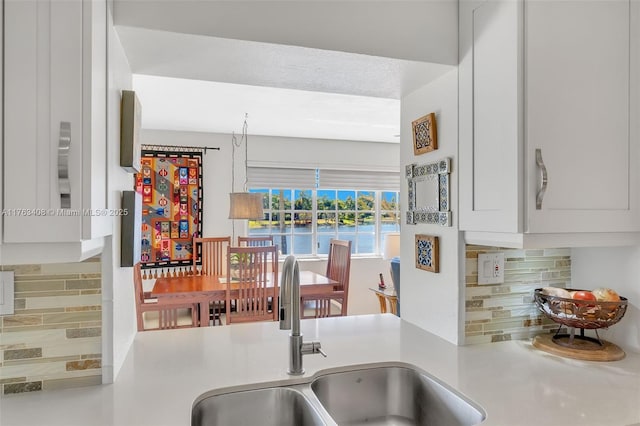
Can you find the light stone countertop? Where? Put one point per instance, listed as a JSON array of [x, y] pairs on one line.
[[165, 371]]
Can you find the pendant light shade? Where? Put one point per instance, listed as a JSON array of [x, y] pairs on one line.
[[245, 205]]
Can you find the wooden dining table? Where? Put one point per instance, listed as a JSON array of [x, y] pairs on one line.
[[203, 289]]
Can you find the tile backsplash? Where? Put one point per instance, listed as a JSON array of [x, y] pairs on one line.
[[497, 312], [54, 338]]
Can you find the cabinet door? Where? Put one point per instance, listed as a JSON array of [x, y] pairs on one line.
[[581, 91], [43, 98], [1, 117], [94, 137], [490, 116]]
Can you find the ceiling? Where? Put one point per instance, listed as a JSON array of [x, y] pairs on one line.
[[200, 82], [206, 106]]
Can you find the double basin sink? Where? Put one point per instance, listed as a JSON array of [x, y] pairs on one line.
[[381, 394]]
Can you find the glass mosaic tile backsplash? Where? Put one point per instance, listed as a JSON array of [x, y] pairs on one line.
[[53, 340], [497, 312]]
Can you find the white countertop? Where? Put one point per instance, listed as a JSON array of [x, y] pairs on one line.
[[165, 371]]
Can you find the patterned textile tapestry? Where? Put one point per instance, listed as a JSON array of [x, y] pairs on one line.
[[171, 188]]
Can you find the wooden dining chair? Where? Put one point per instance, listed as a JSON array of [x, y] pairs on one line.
[[209, 255], [338, 268], [253, 272], [209, 258], [255, 241], [161, 313]]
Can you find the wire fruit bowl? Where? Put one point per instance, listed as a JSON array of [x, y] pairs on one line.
[[584, 314]]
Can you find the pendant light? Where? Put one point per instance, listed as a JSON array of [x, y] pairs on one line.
[[243, 205]]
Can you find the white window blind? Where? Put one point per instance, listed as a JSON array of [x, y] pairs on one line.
[[280, 178], [360, 180]]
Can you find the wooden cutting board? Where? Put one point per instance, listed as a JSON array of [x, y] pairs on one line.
[[583, 350]]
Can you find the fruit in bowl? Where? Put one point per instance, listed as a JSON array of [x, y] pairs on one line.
[[557, 305], [607, 295], [584, 295], [603, 294], [579, 309], [556, 292]]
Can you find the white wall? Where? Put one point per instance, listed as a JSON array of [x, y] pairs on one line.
[[431, 300], [617, 268], [118, 307]]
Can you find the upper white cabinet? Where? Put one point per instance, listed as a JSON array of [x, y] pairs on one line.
[[549, 122], [55, 122], [1, 111]]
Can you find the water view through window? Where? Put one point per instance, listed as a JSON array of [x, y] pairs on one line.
[[304, 221]]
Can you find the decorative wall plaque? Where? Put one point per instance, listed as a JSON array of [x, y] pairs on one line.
[[425, 135], [427, 253]]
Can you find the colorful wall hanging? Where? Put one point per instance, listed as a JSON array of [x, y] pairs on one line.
[[171, 187]]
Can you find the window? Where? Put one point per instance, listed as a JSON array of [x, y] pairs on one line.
[[303, 221], [305, 208]]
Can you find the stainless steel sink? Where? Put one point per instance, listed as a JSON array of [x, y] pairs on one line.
[[380, 394], [393, 395], [276, 406]]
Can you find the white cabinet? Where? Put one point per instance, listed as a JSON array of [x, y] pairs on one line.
[[555, 86], [1, 118], [55, 122]]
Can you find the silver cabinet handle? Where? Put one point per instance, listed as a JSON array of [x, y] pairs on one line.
[[543, 183], [64, 144]]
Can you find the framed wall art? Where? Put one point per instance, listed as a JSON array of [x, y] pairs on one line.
[[130, 119], [425, 135], [428, 193], [130, 226], [427, 253]]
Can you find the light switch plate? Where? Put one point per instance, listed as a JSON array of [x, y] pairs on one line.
[[491, 268], [6, 293]]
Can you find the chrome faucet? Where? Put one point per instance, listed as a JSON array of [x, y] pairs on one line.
[[290, 317]]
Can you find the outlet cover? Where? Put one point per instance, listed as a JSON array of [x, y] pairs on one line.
[[491, 268], [6, 293]]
